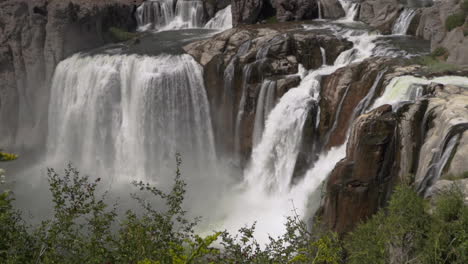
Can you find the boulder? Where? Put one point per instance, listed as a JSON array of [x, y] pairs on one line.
[[331, 9], [380, 14], [246, 11], [288, 10]]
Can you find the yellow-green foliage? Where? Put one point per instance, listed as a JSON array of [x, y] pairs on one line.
[[120, 35], [435, 65], [7, 156]]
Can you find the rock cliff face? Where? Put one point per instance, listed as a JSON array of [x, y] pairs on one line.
[[240, 61], [34, 36], [253, 11], [380, 14], [425, 138], [361, 183], [429, 23]]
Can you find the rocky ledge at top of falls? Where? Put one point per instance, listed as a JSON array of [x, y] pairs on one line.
[[421, 142], [35, 35], [252, 11], [429, 22], [237, 63]]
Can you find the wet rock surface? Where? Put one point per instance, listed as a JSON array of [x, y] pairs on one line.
[[360, 184], [34, 36], [238, 61], [421, 142]]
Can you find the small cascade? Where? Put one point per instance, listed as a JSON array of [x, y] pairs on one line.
[[222, 20], [128, 116], [365, 103], [440, 159], [247, 71], [324, 56], [408, 88], [403, 22], [170, 14], [351, 9], [319, 3], [266, 102]]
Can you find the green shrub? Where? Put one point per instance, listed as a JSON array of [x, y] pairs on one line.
[[435, 65], [272, 20], [447, 240], [452, 177], [454, 21], [440, 52], [120, 35], [464, 6], [400, 227]]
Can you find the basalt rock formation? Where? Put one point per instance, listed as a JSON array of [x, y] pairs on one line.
[[380, 14], [425, 138], [361, 183], [237, 63], [428, 23], [254, 11], [34, 36]]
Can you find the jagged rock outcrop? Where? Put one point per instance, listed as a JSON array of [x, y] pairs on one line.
[[429, 23], [213, 6], [380, 14], [331, 9], [288, 10], [253, 11], [346, 94], [246, 11], [361, 183], [239, 61], [425, 138], [34, 36]]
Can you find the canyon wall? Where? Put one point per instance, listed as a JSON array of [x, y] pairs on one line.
[[34, 36]]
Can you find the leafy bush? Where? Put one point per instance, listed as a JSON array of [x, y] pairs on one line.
[[454, 21], [435, 65], [440, 52], [464, 6], [120, 35], [407, 231], [85, 229], [398, 228]]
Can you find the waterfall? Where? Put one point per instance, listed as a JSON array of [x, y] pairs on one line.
[[268, 187], [324, 56], [128, 116], [403, 22], [265, 104], [169, 14], [222, 20], [365, 103], [406, 88], [351, 9], [440, 159], [319, 3]]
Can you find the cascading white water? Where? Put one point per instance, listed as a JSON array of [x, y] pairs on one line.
[[266, 102], [128, 116], [222, 20], [351, 9], [402, 88], [324, 56], [170, 14], [267, 190], [403, 22], [319, 3]]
